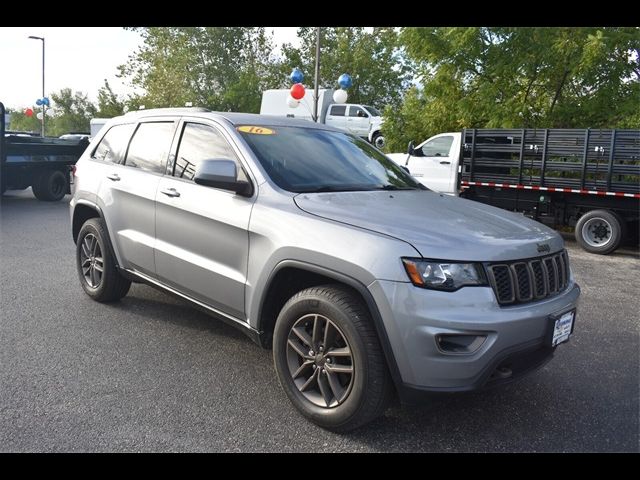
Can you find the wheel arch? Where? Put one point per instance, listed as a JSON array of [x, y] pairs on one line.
[[82, 212], [292, 276]]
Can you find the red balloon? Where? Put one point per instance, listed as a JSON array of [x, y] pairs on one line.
[[28, 112], [297, 91]]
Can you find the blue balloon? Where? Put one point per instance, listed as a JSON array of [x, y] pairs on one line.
[[39, 102], [345, 81], [45, 101], [296, 76]]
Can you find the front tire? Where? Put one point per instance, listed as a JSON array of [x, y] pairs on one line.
[[329, 360], [378, 141], [96, 264], [600, 231]]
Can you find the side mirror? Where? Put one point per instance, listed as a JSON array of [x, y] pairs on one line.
[[410, 150], [223, 174]]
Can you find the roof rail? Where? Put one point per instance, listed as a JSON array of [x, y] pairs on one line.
[[167, 111]]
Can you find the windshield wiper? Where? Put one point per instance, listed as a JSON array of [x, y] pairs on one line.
[[394, 187], [335, 188]]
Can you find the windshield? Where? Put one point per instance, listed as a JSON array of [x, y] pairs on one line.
[[373, 111], [302, 159]]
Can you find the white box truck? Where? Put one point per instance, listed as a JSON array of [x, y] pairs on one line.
[[362, 120]]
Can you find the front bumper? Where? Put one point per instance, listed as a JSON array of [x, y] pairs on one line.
[[413, 319]]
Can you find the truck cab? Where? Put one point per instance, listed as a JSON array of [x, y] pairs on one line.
[[434, 162], [364, 121], [361, 120]]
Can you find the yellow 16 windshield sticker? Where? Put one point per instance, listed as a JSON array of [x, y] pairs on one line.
[[256, 130]]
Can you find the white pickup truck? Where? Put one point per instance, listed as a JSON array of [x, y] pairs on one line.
[[586, 179], [434, 162], [362, 120]]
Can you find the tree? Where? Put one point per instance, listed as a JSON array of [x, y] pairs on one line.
[[109, 105], [519, 77], [373, 58], [73, 112], [223, 68]]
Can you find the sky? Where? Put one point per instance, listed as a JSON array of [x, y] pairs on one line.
[[79, 58]]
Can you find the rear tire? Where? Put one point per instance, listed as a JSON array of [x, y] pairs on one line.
[[96, 265], [324, 391], [600, 231], [50, 186]]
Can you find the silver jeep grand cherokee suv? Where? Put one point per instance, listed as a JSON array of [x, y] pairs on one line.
[[314, 243]]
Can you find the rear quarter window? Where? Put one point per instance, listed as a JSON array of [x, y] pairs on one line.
[[113, 145]]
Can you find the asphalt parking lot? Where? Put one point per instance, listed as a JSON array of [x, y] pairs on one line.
[[152, 374]]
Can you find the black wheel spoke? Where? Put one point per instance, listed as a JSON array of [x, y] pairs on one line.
[[317, 326], [298, 349], [302, 334], [337, 389], [320, 360], [324, 388], [311, 380], [305, 365], [339, 352], [337, 368]]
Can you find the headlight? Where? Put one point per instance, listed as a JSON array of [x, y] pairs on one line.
[[443, 275]]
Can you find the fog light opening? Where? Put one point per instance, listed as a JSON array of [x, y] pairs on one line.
[[459, 344]]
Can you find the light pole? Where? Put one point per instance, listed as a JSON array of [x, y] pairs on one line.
[[43, 105], [317, 77]]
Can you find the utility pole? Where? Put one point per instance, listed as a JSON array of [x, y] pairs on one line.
[[43, 105], [317, 77]]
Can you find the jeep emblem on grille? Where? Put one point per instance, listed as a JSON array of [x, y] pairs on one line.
[[543, 247]]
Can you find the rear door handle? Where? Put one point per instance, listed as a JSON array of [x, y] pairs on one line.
[[444, 162], [170, 192], [114, 176]]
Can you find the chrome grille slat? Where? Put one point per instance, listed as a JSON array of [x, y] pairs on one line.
[[522, 281]]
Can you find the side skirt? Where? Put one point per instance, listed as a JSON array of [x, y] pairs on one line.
[[241, 325]]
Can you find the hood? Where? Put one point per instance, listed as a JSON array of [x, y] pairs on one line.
[[438, 226]]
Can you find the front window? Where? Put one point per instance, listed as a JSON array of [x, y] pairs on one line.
[[373, 111], [300, 159], [438, 147]]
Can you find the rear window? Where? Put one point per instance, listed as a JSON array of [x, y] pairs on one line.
[[113, 145], [150, 146], [338, 110]]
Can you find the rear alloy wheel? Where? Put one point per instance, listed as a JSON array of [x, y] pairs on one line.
[[97, 271], [600, 231], [329, 359]]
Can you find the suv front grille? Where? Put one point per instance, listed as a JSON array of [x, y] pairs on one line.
[[523, 281]]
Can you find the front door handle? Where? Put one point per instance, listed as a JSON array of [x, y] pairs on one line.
[[444, 162], [170, 192], [114, 176]]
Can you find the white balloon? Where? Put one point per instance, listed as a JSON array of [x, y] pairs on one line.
[[292, 102], [39, 116], [340, 96], [50, 112]]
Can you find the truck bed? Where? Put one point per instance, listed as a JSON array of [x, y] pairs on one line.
[[595, 161]]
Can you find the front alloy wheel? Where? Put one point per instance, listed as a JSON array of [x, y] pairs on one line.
[[329, 359], [320, 361]]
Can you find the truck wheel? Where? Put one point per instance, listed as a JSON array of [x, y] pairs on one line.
[[50, 186], [600, 231], [378, 140], [96, 265], [329, 360]]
